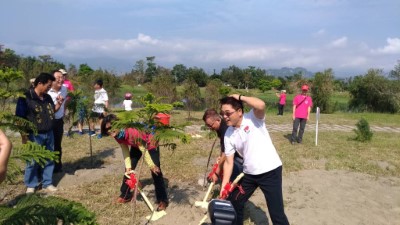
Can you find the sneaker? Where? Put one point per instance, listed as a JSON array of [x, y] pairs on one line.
[[80, 132], [30, 190], [162, 206], [99, 136], [123, 200], [50, 188], [92, 133]]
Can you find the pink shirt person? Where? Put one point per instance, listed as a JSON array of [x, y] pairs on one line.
[[302, 104], [282, 98], [67, 83]]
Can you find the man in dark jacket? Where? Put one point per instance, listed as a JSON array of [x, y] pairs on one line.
[[38, 108]]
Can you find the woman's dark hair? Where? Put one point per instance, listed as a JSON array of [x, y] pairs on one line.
[[43, 78], [236, 104], [108, 119]]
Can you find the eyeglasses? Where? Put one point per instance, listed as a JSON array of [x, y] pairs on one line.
[[228, 114]]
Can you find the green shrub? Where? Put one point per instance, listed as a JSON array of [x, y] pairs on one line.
[[363, 131]]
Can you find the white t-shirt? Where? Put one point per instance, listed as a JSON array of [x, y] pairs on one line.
[[100, 98], [253, 142], [53, 93], [128, 105]]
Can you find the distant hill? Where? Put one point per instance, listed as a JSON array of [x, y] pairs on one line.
[[286, 71]]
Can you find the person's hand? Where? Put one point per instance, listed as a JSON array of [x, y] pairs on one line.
[[213, 178], [235, 96], [221, 193], [128, 171], [155, 170], [60, 99]]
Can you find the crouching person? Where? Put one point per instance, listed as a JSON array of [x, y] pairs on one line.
[[130, 140]]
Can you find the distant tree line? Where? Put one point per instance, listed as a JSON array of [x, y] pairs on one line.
[[373, 91]]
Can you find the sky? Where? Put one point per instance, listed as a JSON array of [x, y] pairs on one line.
[[349, 36]]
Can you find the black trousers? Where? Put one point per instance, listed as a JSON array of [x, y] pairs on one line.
[[296, 123], [160, 189], [280, 109], [58, 131], [270, 184]]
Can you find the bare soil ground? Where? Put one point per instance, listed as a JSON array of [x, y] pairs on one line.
[[311, 197]]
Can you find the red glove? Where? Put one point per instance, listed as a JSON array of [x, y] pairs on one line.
[[226, 191], [132, 181], [213, 171]]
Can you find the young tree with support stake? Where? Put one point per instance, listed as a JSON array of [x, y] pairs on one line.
[[79, 108]]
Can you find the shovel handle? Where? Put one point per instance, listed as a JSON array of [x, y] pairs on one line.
[[210, 187]]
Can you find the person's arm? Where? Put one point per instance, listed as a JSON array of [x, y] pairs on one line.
[[21, 111], [126, 156], [58, 103], [228, 167], [5, 151], [106, 101], [220, 161], [294, 112], [256, 104], [106, 104]]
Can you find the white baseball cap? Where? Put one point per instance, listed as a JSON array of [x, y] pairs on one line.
[[63, 71]]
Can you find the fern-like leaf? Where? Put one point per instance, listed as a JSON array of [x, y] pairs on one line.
[[35, 209]]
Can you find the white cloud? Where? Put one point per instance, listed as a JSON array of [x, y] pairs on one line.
[[339, 43], [146, 39], [392, 47]]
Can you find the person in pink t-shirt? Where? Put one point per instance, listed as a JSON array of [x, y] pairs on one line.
[[302, 104], [67, 83], [282, 102]]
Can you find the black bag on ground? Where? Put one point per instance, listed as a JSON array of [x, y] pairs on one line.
[[221, 212]]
